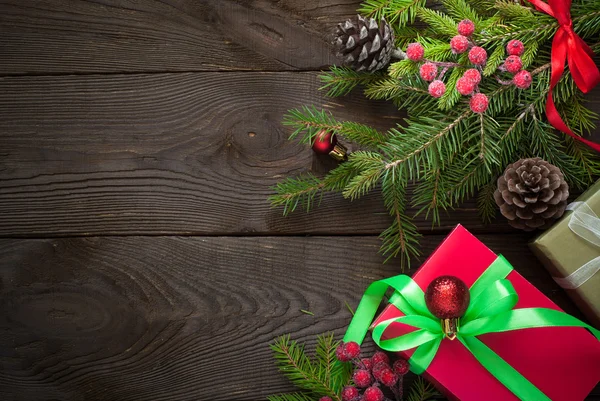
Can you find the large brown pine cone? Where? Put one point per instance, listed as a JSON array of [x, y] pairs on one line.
[[364, 44], [532, 193]]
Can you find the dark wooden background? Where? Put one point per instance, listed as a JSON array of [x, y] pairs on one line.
[[139, 257]]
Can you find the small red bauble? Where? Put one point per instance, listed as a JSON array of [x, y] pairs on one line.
[[362, 378], [473, 75], [373, 394], [428, 71], [479, 103], [324, 142], [459, 44], [465, 86], [415, 51], [522, 79], [437, 88], [447, 297], [478, 55], [349, 393], [513, 64], [401, 367], [515, 47], [466, 27]]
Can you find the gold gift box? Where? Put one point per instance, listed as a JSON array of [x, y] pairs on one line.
[[563, 252]]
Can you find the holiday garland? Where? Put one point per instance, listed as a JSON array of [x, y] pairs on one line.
[[477, 83]]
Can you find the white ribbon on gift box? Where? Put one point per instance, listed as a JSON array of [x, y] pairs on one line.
[[585, 224]]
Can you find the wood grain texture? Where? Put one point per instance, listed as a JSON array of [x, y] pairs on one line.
[[177, 318], [85, 36], [193, 153]]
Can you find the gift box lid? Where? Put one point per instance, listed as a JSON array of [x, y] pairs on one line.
[[563, 362]]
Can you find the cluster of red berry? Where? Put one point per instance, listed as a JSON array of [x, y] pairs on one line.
[[467, 85], [370, 374]]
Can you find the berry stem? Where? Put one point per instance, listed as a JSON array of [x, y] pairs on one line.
[[444, 64], [501, 81], [442, 73]]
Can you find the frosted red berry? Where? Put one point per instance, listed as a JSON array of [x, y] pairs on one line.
[[478, 55], [415, 51], [366, 364], [349, 393], [522, 79], [473, 75], [379, 357], [378, 369], [466, 27], [428, 71], [401, 367], [513, 64], [388, 377], [515, 47], [465, 86], [437, 88], [325, 398], [479, 103], [459, 44], [362, 378], [345, 352], [373, 394]]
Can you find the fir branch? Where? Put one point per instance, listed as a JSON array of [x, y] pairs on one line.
[[340, 81], [486, 205], [395, 12], [459, 10], [421, 390], [371, 167], [293, 192], [290, 397], [439, 22]]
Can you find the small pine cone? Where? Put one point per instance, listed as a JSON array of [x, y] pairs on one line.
[[364, 44], [532, 193]]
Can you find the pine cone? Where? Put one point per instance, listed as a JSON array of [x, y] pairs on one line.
[[532, 193], [364, 44]]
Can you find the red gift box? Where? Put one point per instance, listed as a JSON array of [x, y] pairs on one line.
[[563, 362]]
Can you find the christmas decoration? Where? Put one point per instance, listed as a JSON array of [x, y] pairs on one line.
[[456, 142], [447, 298], [531, 194], [510, 336], [326, 143], [366, 45], [578, 269]]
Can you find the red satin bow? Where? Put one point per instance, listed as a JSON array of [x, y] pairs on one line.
[[567, 46]]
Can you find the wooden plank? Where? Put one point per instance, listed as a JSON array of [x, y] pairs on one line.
[[174, 318], [192, 153], [82, 36]]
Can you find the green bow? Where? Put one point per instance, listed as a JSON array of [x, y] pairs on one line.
[[490, 310]]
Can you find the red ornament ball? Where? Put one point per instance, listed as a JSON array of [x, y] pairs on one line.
[[522, 79], [373, 394], [478, 55], [415, 51], [459, 44], [447, 297], [401, 367], [380, 357], [465, 86], [362, 378], [349, 393], [428, 71], [466, 27], [473, 75], [324, 143], [437, 88], [515, 47], [479, 103], [346, 352], [513, 64]]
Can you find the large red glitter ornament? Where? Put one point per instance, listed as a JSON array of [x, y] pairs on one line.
[[326, 143], [447, 298]]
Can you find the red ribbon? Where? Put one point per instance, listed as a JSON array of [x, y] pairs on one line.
[[567, 46]]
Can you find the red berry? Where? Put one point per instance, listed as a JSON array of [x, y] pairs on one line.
[[466, 27], [513, 64], [388, 377], [472, 75], [479, 103], [465, 86], [428, 71], [437, 88], [515, 47], [373, 394], [459, 44], [522, 80], [345, 352], [362, 378], [415, 51], [349, 393], [340, 354], [379, 357], [366, 364], [401, 367], [378, 370], [325, 398], [478, 55]]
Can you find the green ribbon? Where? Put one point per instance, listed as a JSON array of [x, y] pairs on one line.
[[490, 311]]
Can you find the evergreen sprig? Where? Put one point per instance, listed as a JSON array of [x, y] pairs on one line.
[[443, 150], [421, 390]]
